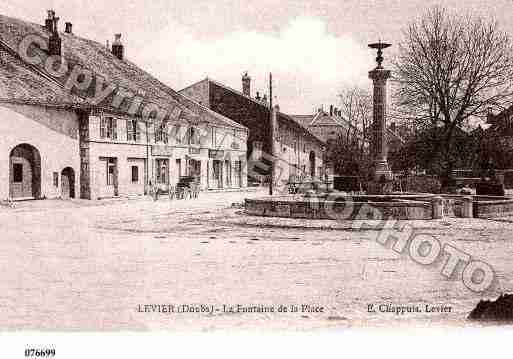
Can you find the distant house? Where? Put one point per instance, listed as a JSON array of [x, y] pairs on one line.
[[298, 151], [77, 119], [328, 126]]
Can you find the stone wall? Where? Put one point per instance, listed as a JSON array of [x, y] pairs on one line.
[[485, 209], [53, 132]]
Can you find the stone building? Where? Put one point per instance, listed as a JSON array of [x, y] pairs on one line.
[[77, 119], [297, 151], [328, 126]]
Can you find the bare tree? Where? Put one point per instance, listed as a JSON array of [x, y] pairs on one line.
[[349, 151], [451, 69], [356, 108]]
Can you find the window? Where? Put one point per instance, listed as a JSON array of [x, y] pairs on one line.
[[193, 168], [56, 179], [108, 128], [179, 166], [217, 169], [228, 166], [161, 169], [17, 169], [135, 174], [304, 147], [236, 140], [193, 136], [237, 168], [111, 171], [161, 134], [132, 131]]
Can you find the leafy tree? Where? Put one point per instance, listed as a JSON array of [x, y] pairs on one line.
[[348, 157]]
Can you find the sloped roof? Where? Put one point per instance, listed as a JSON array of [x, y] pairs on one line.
[[281, 116], [322, 119], [304, 120], [96, 58], [19, 83]]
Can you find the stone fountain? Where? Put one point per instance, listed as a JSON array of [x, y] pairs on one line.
[[379, 202]]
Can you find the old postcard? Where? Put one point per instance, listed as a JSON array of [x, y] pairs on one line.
[[228, 166]]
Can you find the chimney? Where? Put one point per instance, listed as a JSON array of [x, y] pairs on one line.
[[117, 47], [69, 27], [246, 84], [54, 42], [49, 21], [489, 115], [331, 110]]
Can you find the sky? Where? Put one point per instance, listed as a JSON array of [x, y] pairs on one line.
[[313, 48]]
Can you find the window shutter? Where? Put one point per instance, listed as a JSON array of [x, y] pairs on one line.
[[128, 130], [114, 129], [102, 127], [137, 132]]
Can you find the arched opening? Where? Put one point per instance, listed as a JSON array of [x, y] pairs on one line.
[[24, 172], [68, 183], [312, 163]]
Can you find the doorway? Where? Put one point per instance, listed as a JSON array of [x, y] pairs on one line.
[[217, 174], [25, 172], [67, 183]]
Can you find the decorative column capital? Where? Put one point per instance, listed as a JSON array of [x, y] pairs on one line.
[[379, 75]]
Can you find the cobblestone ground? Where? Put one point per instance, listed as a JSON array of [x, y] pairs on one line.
[[83, 265]]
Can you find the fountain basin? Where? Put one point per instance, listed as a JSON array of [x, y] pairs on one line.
[[394, 206]]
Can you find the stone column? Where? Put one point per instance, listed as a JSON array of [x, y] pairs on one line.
[[438, 207], [379, 78], [467, 210]]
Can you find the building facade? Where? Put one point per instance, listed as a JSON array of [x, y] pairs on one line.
[[79, 120], [297, 152]]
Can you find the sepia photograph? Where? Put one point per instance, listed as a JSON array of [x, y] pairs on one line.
[[272, 166]]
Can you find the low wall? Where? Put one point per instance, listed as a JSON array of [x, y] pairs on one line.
[[418, 206], [340, 210], [486, 209], [482, 206]]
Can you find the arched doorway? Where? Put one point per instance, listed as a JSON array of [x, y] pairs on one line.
[[68, 183], [24, 172], [312, 163]]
